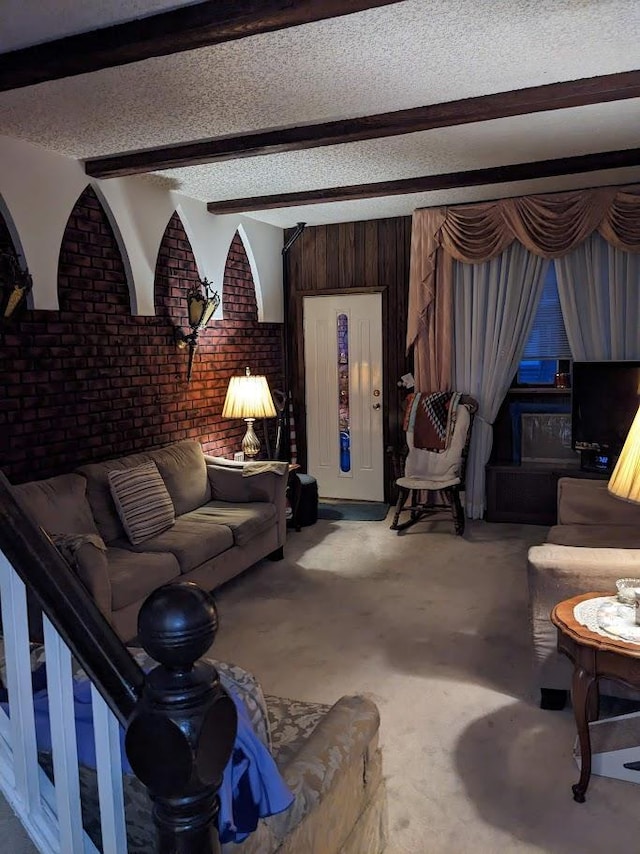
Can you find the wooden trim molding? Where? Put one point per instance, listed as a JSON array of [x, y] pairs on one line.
[[186, 28], [518, 102], [469, 178], [333, 292]]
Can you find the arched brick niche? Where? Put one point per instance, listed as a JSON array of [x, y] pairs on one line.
[[90, 381], [240, 341]]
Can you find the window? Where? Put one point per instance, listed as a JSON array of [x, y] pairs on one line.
[[547, 346]]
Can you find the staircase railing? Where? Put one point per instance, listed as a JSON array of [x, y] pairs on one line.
[[175, 702]]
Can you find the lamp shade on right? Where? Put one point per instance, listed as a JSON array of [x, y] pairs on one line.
[[625, 480]]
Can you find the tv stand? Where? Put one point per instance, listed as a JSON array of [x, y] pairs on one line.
[[527, 493]]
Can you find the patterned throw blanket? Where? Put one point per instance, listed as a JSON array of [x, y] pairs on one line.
[[261, 466], [431, 417]]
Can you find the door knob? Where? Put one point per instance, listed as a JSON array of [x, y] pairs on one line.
[[376, 406]]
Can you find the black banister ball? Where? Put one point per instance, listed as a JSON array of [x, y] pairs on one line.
[[177, 624]]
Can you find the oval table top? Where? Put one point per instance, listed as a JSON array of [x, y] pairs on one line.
[[562, 617]]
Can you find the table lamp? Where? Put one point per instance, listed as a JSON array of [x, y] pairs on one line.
[[249, 397], [625, 480]]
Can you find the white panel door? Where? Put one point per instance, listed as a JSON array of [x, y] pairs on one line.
[[343, 377]]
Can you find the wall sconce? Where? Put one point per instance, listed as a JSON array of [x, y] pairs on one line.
[[249, 397], [15, 284], [202, 302]]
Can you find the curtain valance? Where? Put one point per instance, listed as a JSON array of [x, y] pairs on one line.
[[549, 225]]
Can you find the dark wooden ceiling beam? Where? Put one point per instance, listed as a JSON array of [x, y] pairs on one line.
[[185, 28], [427, 183], [518, 102]]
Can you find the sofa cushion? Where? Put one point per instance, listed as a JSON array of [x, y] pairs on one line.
[[596, 536], [583, 501], [191, 540], [134, 575], [227, 484], [184, 472], [245, 521], [142, 501], [58, 504]]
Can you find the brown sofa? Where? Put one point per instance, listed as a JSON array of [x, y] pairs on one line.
[[225, 521], [596, 541]]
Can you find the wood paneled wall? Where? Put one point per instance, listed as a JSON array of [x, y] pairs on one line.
[[357, 257]]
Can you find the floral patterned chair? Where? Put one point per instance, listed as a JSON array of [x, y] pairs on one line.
[[328, 756]]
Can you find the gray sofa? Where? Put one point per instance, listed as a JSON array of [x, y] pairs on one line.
[[225, 521], [595, 542]]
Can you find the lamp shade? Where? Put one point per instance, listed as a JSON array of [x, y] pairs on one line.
[[248, 397], [625, 480], [201, 309]]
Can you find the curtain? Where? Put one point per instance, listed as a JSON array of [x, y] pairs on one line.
[[549, 225], [429, 315], [494, 306], [599, 290]]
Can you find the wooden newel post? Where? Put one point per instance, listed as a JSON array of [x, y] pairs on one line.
[[181, 735]]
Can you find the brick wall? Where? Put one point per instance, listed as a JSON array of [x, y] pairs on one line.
[[90, 381]]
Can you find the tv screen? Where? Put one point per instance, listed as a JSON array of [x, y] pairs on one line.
[[604, 400]]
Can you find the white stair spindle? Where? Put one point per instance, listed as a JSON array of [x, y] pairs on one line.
[[107, 738], [22, 722], [63, 741]]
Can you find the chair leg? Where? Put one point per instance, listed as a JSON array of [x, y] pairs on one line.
[[403, 494], [457, 510]]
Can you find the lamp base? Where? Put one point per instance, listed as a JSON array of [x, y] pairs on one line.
[[250, 442]]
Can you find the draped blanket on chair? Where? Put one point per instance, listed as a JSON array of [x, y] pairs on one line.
[[431, 419]]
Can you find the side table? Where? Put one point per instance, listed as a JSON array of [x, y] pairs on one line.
[[593, 656]]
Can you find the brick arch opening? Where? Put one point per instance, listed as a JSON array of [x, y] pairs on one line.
[[239, 300], [247, 341], [91, 270]]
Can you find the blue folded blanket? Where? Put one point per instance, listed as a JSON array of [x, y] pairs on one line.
[[252, 787]]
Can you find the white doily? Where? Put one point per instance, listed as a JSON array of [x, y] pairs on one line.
[[605, 616]]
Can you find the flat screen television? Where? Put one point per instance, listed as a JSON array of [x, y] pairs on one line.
[[604, 400]]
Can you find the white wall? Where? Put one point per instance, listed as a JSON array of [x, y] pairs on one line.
[[39, 189]]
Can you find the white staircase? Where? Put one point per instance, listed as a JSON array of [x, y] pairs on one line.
[[51, 814]]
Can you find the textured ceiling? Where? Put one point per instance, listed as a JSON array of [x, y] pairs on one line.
[[408, 54]]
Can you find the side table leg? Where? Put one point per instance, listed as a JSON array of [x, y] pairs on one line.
[[294, 486], [582, 687]]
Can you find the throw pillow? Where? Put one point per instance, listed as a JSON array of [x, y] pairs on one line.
[[142, 501]]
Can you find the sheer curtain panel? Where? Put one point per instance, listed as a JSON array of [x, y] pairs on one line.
[[599, 290], [494, 306]]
